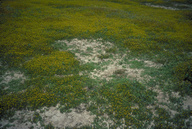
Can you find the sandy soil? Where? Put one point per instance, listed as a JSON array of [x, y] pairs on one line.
[[87, 51]]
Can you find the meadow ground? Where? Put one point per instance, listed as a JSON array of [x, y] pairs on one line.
[[96, 64]]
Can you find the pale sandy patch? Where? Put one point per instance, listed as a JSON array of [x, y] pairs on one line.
[[160, 6], [12, 75], [152, 64], [174, 6], [75, 119], [22, 120], [187, 103], [88, 51]]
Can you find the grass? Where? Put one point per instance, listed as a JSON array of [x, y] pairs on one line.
[[28, 34]]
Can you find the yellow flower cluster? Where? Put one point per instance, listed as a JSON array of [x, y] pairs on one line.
[[55, 63], [32, 98], [121, 100], [38, 96], [31, 26]]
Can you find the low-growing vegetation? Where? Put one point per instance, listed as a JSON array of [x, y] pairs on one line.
[[143, 49], [59, 63]]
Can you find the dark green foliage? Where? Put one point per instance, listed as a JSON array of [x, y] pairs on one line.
[[49, 126]]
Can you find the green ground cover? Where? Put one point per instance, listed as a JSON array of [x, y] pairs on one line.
[[28, 33]]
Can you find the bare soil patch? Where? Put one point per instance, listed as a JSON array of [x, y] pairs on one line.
[[92, 51]]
